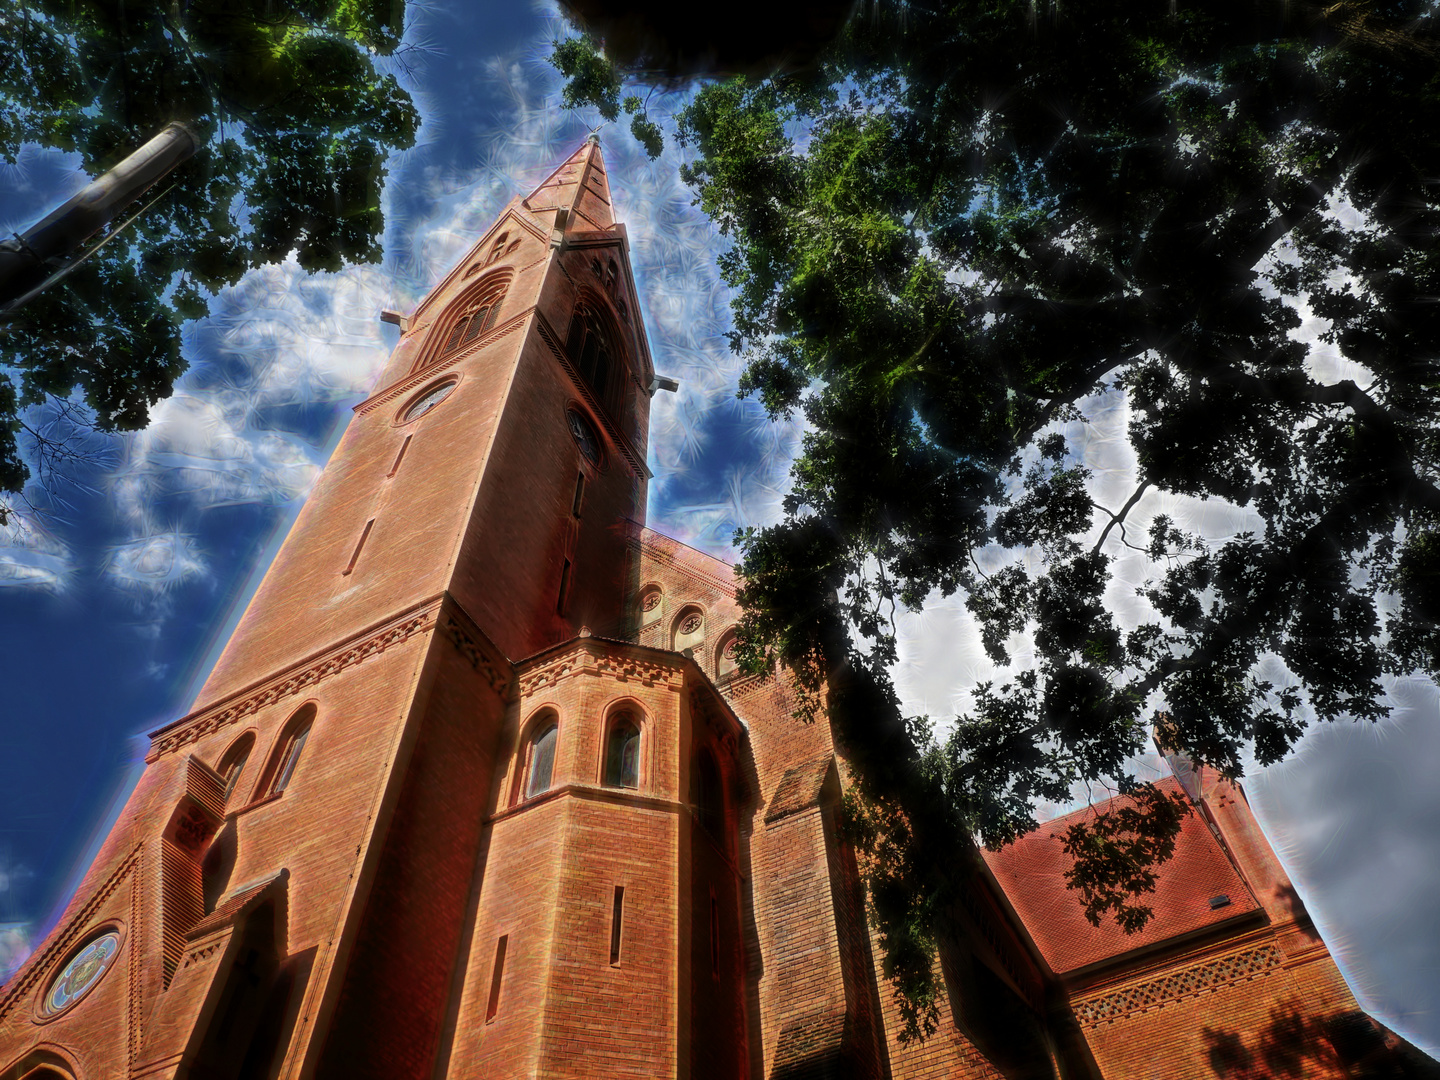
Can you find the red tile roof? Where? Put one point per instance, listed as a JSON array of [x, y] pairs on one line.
[[1031, 871]]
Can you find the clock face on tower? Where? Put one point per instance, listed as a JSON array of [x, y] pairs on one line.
[[585, 436]]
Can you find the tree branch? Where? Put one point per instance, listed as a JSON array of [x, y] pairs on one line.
[[1117, 519]]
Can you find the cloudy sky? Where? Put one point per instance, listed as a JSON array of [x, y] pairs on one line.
[[115, 601]]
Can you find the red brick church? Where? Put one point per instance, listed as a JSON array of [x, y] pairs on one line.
[[475, 790]]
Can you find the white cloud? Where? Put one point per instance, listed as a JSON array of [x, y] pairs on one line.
[[31, 557]]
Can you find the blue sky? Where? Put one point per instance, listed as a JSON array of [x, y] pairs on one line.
[[114, 602]]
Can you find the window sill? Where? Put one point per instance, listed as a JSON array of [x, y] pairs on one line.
[[272, 797]]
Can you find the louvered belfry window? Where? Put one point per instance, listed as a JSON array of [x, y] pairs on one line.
[[591, 353]]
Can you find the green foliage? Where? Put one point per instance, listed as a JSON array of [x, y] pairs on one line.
[[1117, 850], [1001, 220], [994, 221], [296, 124], [975, 221], [592, 80]]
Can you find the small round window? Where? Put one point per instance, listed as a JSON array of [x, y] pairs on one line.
[[82, 972], [428, 400]]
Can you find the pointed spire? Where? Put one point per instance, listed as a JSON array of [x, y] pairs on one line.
[[580, 188]]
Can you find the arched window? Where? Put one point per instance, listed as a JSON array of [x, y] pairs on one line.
[[622, 752], [473, 323], [232, 762], [540, 760], [479, 311], [725, 660], [283, 771], [497, 248], [709, 796], [590, 351], [652, 599], [688, 629]]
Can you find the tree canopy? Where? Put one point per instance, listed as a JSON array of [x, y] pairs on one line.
[[970, 224], [296, 124]]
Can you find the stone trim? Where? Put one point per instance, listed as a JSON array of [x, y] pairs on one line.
[[1208, 975], [291, 681], [617, 796]]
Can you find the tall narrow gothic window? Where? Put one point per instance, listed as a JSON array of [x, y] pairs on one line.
[[709, 799], [287, 763], [540, 762], [591, 353], [622, 753]]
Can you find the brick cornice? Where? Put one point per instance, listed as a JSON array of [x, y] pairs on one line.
[[660, 555], [594, 656], [311, 671]]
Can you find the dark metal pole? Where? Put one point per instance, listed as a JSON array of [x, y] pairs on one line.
[[27, 260]]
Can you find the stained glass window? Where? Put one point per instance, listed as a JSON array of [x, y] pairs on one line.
[[622, 754], [82, 972]]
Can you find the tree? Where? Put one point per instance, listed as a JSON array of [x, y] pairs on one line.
[[969, 224], [296, 123]]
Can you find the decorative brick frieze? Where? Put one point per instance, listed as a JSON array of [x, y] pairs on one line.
[[200, 953], [664, 557], [1208, 975], [195, 727], [618, 666], [483, 658]]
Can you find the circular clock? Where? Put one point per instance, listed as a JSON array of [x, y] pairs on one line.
[[82, 972], [428, 400], [585, 436]]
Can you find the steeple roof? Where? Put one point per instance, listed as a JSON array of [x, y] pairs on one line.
[[579, 187]]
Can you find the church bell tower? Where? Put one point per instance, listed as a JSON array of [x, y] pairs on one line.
[[434, 812]]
